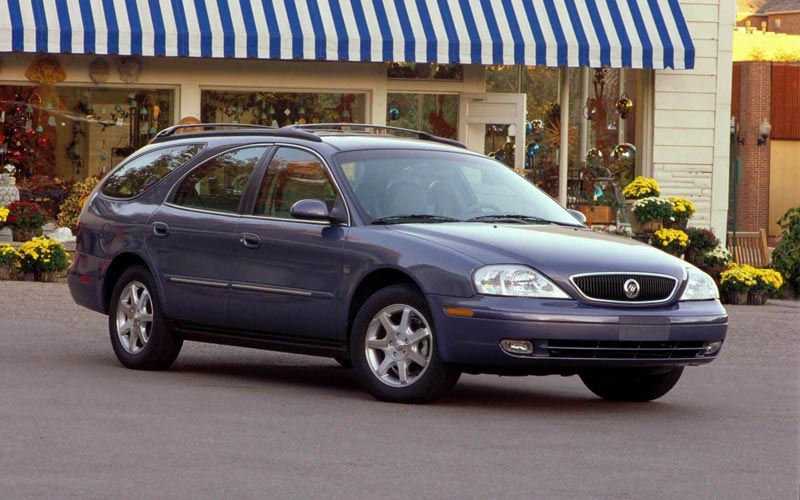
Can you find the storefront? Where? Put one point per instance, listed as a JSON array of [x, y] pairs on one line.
[[84, 85]]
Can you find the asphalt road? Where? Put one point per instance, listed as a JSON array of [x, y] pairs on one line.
[[238, 423]]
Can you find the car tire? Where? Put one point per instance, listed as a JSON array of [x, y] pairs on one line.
[[393, 348], [140, 335], [631, 384]]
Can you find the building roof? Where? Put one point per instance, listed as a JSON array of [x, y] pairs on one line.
[[774, 6], [746, 8]]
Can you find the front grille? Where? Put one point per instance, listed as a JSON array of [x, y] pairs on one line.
[[613, 349], [611, 287]]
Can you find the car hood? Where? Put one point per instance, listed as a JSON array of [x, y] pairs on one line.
[[557, 251]]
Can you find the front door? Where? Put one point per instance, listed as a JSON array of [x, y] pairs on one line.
[[193, 240], [494, 124], [287, 271]]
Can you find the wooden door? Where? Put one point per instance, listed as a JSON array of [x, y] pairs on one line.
[[784, 180]]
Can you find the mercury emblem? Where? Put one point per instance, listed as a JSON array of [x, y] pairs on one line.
[[631, 288]]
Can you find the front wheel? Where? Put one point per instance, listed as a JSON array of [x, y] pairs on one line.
[[393, 348], [139, 333], [631, 384]]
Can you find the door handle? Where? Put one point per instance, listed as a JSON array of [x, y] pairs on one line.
[[250, 240], [160, 229]]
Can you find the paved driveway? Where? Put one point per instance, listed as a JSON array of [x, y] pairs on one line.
[[238, 423]]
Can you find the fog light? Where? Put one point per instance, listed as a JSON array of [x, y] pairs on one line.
[[713, 347], [516, 346]]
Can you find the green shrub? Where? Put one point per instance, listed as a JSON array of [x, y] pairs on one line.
[[786, 256]]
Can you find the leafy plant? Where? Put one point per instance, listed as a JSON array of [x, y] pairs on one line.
[[768, 281], [702, 240], [72, 206], [718, 257], [8, 255], [652, 208], [24, 214], [42, 254], [737, 278], [786, 256], [641, 187], [670, 240], [3, 216], [682, 208]]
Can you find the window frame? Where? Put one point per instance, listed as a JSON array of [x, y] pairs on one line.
[[247, 194], [248, 209], [135, 157]]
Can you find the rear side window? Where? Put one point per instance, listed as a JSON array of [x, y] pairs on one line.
[[139, 174]]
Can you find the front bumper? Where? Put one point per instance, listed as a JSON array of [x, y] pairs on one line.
[[594, 337]]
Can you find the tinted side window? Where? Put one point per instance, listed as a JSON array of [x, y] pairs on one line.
[[293, 175], [219, 183], [136, 176]]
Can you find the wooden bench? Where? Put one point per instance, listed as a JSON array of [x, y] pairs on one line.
[[751, 248]]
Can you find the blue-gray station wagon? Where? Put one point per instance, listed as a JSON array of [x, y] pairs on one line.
[[398, 253]]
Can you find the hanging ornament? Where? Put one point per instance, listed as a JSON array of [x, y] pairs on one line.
[[143, 112], [130, 69], [532, 149], [156, 111], [302, 111], [594, 158], [99, 70], [394, 113], [287, 111], [51, 121], [46, 70], [39, 129], [271, 110], [132, 104], [624, 155], [29, 109], [624, 105], [537, 127]]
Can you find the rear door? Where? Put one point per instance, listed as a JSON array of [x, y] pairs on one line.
[[287, 272], [193, 240]]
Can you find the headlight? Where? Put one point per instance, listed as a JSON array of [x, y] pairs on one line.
[[515, 281], [700, 286]]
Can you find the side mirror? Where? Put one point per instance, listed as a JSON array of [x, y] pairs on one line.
[[313, 209], [578, 215]]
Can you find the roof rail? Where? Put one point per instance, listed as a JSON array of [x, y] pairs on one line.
[[373, 129], [194, 128]]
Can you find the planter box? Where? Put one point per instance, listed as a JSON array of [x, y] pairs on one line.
[[598, 214]]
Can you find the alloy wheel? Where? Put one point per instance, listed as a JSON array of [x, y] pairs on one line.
[[134, 317], [398, 345]]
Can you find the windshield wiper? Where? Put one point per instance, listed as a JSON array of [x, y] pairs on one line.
[[520, 219], [398, 219]]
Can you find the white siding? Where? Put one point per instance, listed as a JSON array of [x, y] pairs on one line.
[[692, 116]]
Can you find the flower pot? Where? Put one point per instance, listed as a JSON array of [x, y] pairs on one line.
[[25, 233], [597, 214], [756, 298], [647, 227], [695, 257], [736, 297], [6, 235], [678, 224], [7, 273]]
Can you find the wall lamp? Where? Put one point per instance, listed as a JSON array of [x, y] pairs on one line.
[[735, 131], [763, 131]]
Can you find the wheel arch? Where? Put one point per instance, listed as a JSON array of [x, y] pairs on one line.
[[371, 283], [118, 265]]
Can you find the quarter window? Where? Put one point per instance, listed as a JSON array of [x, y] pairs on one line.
[[293, 175], [219, 183], [139, 174]]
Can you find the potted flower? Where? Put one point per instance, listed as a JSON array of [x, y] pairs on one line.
[[649, 214], [42, 257], [25, 219], [673, 241], [768, 282], [641, 187], [71, 208], [736, 282], [8, 261], [716, 260], [682, 211], [701, 241], [5, 232]]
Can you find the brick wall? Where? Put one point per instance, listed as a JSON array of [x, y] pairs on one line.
[[789, 23], [755, 91]]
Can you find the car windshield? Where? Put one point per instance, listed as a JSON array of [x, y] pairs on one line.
[[396, 186]]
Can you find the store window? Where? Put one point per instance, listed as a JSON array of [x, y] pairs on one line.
[[602, 136], [424, 71], [279, 109], [218, 184], [433, 113]]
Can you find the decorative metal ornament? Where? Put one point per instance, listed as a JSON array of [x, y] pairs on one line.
[[537, 127], [394, 113], [99, 70], [624, 155], [46, 70], [130, 69], [624, 105], [594, 158]]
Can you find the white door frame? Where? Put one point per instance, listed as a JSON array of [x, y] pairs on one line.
[[489, 108]]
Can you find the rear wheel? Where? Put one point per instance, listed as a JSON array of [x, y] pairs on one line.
[[393, 348], [631, 384], [139, 332]]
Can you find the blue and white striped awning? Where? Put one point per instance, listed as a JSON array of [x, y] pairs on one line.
[[614, 33]]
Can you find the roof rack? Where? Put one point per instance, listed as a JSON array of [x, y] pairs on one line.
[[233, 128], [373, 129]]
